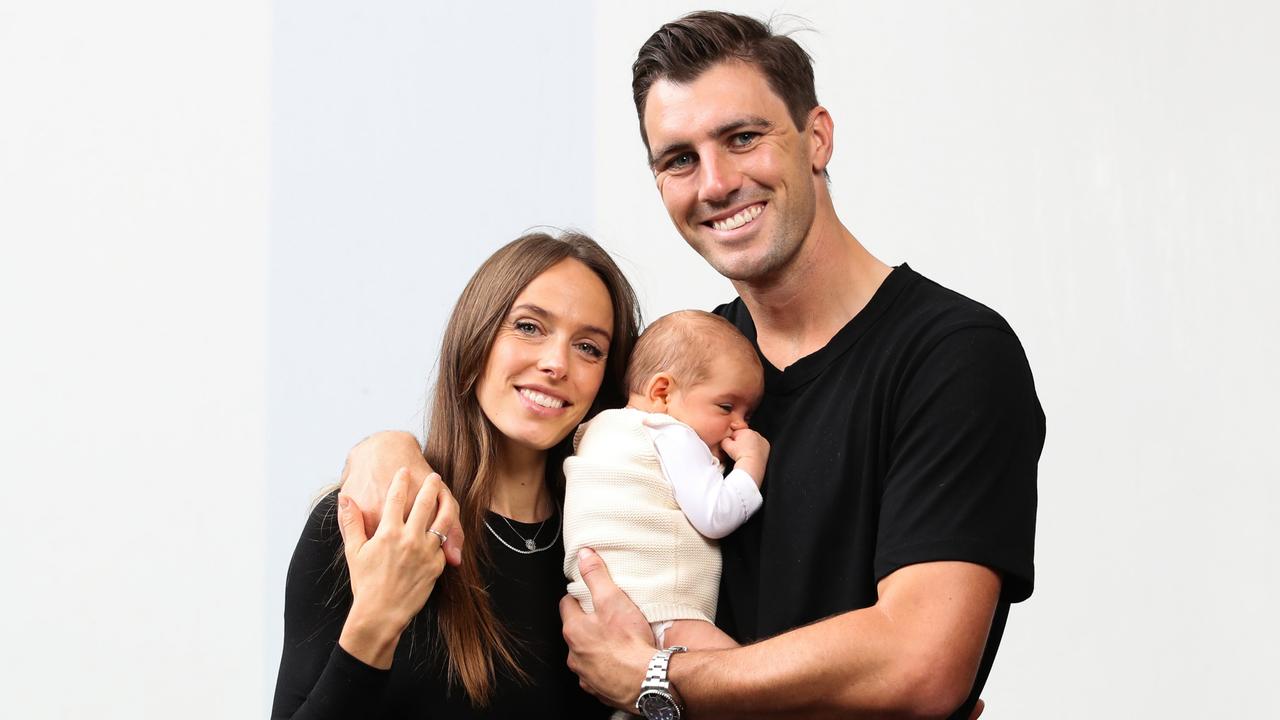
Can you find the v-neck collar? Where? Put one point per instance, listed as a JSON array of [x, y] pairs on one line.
[[810, 366]]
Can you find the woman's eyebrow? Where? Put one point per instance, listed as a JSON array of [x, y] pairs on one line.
[[544, 313], [608, 336], [530, 308]]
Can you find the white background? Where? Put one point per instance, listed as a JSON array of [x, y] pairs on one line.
[[231, 233]]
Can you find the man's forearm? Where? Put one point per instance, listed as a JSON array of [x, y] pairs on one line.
[[915, 654]]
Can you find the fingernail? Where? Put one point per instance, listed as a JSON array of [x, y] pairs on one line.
[[584, 553], [343, 502]]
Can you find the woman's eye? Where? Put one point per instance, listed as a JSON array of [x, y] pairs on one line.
[[590, 350], [525, 327]]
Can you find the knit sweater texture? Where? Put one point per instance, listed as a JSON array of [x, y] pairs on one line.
[[619, 503]]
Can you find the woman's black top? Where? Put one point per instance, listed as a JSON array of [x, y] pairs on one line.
[[320, 681]]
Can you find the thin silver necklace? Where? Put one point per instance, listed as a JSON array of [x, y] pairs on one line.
[[530, 544]]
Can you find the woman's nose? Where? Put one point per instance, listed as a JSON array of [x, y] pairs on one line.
[[554, 360]]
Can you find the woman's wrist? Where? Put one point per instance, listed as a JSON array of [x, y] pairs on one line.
[[370, 638]]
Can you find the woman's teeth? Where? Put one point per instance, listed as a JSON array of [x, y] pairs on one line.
[[742, 218], [538, 398]]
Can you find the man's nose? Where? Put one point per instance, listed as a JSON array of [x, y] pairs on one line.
[[719, 178]]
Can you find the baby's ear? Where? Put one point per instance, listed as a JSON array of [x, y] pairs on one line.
[[660, 386]]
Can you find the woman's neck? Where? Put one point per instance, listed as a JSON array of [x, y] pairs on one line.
[[520, 489]]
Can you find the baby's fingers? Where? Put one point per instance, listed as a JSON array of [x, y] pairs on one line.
[[730, 446]]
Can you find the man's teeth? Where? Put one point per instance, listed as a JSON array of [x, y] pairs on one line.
[[742, 218], [539, 399]]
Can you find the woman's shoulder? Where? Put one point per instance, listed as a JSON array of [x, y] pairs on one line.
[[319, 549]]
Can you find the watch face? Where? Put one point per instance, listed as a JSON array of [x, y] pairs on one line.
[[657, 706]]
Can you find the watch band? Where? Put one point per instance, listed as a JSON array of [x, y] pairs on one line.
[[656, 675], [658, 700]]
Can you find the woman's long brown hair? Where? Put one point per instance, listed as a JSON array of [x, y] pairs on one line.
[[461, 444]]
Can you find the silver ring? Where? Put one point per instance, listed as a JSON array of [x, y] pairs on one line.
[[443, 538]]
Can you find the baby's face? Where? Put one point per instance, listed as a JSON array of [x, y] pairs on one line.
[[720, 404]]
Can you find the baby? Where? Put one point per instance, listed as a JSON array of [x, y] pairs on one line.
[[646, 488]]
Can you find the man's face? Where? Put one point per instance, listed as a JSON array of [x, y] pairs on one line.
[[736, 175]]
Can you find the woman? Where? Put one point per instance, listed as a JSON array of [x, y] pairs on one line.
[[538, 341]]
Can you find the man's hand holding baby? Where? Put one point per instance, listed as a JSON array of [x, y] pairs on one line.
[[749, 451]]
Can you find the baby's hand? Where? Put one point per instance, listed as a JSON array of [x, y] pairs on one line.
[[749, 450]]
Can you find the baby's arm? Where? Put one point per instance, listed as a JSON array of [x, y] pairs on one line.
[[750, 452], [715, 504]]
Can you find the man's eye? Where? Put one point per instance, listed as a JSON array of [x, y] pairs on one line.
[[743, 139], [681, 161]]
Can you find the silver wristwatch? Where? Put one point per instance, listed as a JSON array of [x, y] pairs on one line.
[[658, 700]]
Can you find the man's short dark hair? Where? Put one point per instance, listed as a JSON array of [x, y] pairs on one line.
[[682, 50]]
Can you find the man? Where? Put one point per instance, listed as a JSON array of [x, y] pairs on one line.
[[899, 509]]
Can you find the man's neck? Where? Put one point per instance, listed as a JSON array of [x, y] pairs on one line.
[[799, 309]]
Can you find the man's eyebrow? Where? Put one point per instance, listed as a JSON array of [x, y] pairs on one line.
[[542, 312], [675, 147], [739, 123], [718, 131]]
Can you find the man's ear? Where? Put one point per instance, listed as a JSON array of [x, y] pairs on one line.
[[659, 388], [821, 138]]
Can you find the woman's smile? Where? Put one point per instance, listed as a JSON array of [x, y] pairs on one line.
[[542, 400]]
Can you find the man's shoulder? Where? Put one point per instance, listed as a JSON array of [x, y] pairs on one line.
[[928, 305], [735, 311], [911, 303], [730, 310]]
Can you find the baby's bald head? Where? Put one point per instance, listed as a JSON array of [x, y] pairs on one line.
[[684, 344]]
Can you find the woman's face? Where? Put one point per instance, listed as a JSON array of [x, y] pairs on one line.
[[548, 358]]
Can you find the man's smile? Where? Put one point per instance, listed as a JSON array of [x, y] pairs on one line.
[[736, 218]]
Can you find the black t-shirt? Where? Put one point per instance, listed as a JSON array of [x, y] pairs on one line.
[[319, 680], [912, 436]]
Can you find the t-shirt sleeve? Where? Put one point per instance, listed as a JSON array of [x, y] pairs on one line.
[[961, 485], [318, 680], [715, 504]]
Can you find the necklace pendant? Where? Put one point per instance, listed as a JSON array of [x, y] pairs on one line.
[[529, 544]]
